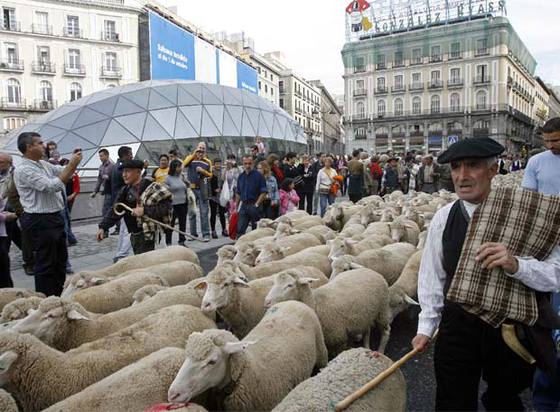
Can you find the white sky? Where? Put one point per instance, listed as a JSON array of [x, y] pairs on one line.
[[311, 33]]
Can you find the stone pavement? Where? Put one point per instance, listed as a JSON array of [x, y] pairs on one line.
[[89, 254]]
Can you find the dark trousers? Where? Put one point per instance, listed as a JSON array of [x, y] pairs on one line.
[[180, 213], [140, 244], [48, 240], [248, 213], [269, 211], [306, 202], [216, 209], [354, 197], [5, 278], [468, 348]]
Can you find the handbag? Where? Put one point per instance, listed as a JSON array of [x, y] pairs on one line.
[[233, 218], [225, 194]]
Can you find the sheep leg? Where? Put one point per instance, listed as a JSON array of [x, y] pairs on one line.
[[385, 334], [366, 338]]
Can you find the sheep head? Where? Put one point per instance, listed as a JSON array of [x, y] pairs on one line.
[[270, 253], [246, 253], [397, 230], [52, 319], [267, 224], [368, 214], [287, 286], [146, 292], [225, 253], [342, 264], [399, 301], [20, 308], [207, 364], [7, 359], [341, 246], [283, 230], [422, 240], [82, 280], [219, 286]]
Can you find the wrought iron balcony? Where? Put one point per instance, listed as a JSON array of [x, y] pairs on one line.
[[482, 80], [398, 88], [456, 82], [436, 58], [435, 84], [455, 56], [43, 67], [11, 25], [381, 90], [41, 29], [75, 70], [110, 36], [111, 72], [6, 103], [69, 31], [11, 65], [416, 86], [45, 105], [360, 92]]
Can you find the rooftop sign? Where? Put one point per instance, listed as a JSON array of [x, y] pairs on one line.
[[366, 19]]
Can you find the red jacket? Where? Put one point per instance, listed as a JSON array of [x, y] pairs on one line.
[[375, 170]]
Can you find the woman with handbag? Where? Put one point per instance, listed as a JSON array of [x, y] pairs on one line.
[[271, 204], [328, 185], [178, 187]]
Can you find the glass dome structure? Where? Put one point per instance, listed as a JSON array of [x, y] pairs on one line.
[[155, 116]]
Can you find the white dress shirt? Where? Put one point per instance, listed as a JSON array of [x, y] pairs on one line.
[[542, 276], [38, 186]]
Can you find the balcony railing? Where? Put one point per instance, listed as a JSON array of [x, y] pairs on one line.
[[109, 36], [482, 52], [69, 31], [415, 61], [416, 86], [44, 67], [480, 107], [398, 89], [381, 90], [40, 104], [6, 103], [455, 56], [111, 72], [435, 84], [11, 25], [481, 80], [435, 58], [360, 136], [455, 83], [380, 66], [11, 65], [360, 92], [399, 63], [360, 116], [41, 29], [74, 70], [359, 69]]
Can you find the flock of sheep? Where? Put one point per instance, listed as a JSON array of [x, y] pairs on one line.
[[282, 323]]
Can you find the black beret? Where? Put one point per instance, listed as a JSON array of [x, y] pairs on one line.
[[478, 148], [133, 164]]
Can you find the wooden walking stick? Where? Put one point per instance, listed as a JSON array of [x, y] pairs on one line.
[[125, 208], [350, 399]]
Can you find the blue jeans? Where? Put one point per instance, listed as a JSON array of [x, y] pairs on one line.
[[546, 393], [247, 214], [324, 201], [203, 210]]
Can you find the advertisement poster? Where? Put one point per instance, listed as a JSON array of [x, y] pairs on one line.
[[247, 78]]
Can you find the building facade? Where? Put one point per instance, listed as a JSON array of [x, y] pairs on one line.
[[331, 115], [420, 89], [301, 100], [56, 52]]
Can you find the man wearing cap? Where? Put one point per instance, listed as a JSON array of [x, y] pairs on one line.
[[468, 347], [428, 175], [130, 195]]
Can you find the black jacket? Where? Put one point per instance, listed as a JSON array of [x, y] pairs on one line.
[[309, 179]]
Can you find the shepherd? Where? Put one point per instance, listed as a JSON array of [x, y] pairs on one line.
[[491, 259]]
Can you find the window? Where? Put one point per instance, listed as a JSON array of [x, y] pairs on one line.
[[110, 31], [399, 61], [266, 88], [43, 54], [435, 78], [416, 105], [481, 47], [398, 106], [455, 76], [281, 103], [435, 104], [381, 107], [481, 73], [359, 65], [360, 110], [359, 85], [455, 102], [455, 50], [271, 77], [360, 133], [42, 22], [481, 100], [14, 91], [281, 86], [436, 54], [380, 62], [45, 91], [381, 84], [11, 123], [74, 59], [272, 91], [72, 26], [416, 56], [11, 53], [416, 80], [260, 86], [399, 82], [111, 61], [75, 91], [9, 15]]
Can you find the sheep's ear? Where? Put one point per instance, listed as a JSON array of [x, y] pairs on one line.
[[285, 249], [236, 347], [306, 281], [201, 285], [355, 265], [80, 283], [240, 275], [98, 281], [6, 360], [410, 301], [349, 241], [73, 314], [294, 231], [240, 281]]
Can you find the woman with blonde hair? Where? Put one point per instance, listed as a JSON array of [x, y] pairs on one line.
[[327, 185], [272, 202]]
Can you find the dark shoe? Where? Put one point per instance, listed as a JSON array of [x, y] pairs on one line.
[[115, 232], [181, 244], [214, 235], [72, 243], [206, 240], [69, 272], [225, 233]]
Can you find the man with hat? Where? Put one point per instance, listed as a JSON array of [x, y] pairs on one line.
[[131, 195], [428, 175], [468, 347], [391, 176]]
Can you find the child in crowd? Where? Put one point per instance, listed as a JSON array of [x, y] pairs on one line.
[[289, 199]]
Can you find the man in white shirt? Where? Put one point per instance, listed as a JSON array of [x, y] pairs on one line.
[[467, 347]]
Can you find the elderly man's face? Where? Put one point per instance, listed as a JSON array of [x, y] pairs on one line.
[[473, 178], [130, 176], [248, 163], [5, 162], [552, 142]]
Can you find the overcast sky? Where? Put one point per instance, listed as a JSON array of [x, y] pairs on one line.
[[311, 33]]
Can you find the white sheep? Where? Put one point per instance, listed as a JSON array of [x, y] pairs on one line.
[[306, 222], [283, 230], [389, 261], [352, 229], [146, 292], [344, 375], [19, 308], [346, 246], [412, 214], [338, 215], [133, 388], [321, 232], [405, 289], [255, 374], [293, 215], [7, 402], [349, 306], [267, 223], [404, 230], [39, 376], [225, 253], [144, 260], [286, 246], [239, 303], [255, 235], [247, 252], [377, 228], [8, 295], [65, 324]]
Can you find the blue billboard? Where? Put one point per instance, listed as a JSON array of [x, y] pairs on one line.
[[247, 78], [172, 50]]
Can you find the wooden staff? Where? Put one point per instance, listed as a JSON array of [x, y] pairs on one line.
[[350, 399], [157, 222]]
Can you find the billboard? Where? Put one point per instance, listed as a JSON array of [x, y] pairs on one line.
[[176, 53], [376, 17]]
